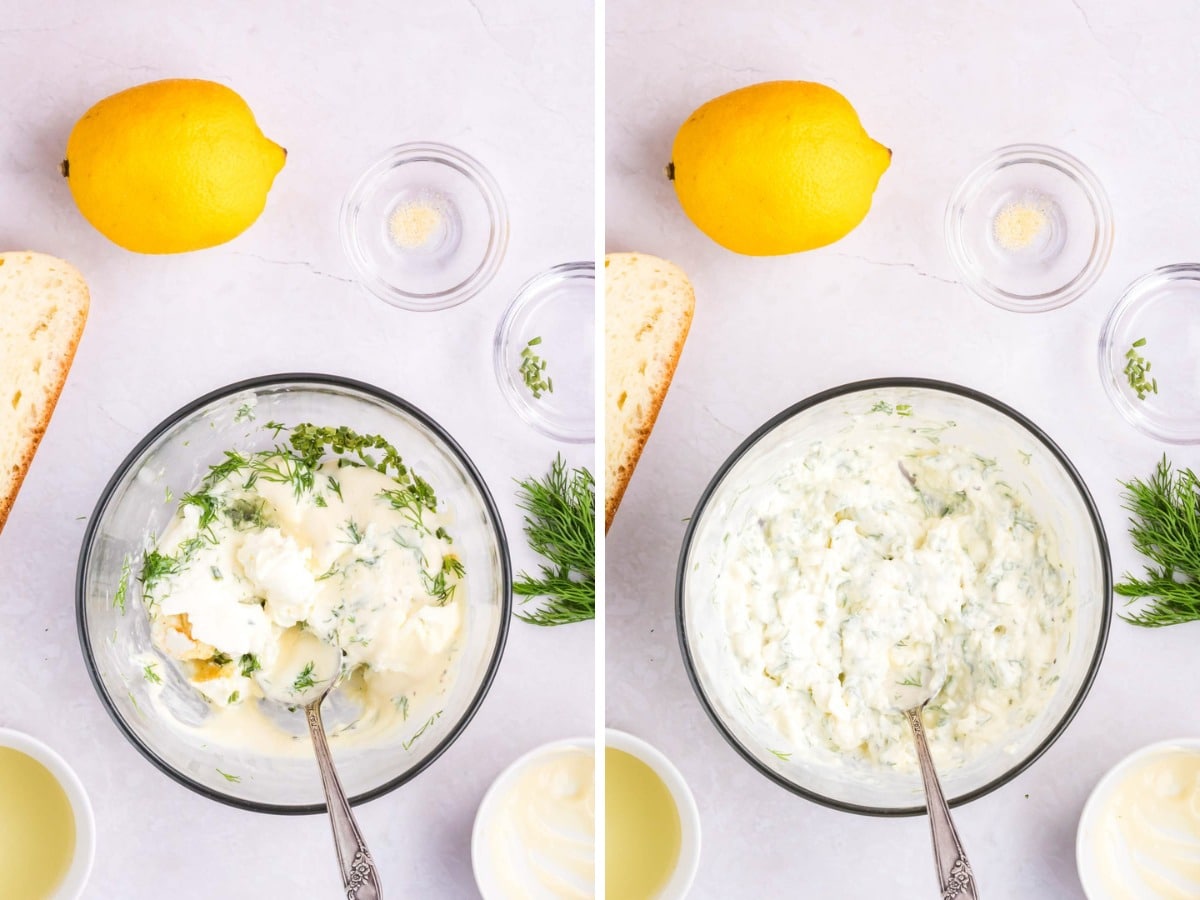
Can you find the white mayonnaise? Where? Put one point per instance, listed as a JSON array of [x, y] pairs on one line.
[[541, 830], [1146, 837]]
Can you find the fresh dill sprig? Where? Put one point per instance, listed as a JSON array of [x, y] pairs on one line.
[[249, 664], [560, 526], [533, 370], [234, 778], [1136, 369], [1165, 528], [150, 675], [437, 586]]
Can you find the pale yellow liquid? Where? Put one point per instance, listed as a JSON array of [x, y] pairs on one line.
[[37, 828], [641, 830]]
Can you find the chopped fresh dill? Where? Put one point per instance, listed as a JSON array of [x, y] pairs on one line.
[[234, 778], [233, 698], [321, 501], [123, 584], [882, 406], [353, 533], [904, 409], [249, 664], [245, 413], [216, 573], [305, 679], [168, 496], [437, 586], [402, 705], [220, 659], [533, 370], [335, 486], [150, 675], [408, 744], [781, 754]]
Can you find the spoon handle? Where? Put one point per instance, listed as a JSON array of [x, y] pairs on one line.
[[359, 876], [955, 878]]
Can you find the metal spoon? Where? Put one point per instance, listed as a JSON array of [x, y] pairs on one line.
[[955, 878], [305, 672]]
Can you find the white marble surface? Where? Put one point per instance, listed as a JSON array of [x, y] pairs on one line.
[[512, 84], [942, 84]]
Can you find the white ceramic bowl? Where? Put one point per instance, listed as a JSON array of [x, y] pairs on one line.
[[486, 877], [689, 816], [1087, 855], [85, 822]]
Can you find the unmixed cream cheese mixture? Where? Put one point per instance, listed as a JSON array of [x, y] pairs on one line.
[[262, 557], [852, 579]]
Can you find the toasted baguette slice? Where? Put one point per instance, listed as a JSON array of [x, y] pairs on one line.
[[648, 304], [43, 306]]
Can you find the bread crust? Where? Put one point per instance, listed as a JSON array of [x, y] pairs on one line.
[[625, 467], [19, 468]]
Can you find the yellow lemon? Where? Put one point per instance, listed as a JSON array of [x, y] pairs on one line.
[[171, 166], [777, 167]]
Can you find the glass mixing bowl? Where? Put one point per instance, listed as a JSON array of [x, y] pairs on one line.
[[1029, 460], [168, 463]]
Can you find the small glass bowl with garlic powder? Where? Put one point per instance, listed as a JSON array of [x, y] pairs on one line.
[[425, 226], [1030, 228]]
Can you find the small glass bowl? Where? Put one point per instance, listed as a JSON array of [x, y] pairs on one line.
[[1030, 228], [1162, 308], [425, 227], [556, 308]]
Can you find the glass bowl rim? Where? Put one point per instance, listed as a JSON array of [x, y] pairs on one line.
[[1083, 177], [1133, 295], [478, 175], [859, 387], [298, 379], [583, 269]]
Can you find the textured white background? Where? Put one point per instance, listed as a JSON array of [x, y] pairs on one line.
[[512, 84], [942, 84]]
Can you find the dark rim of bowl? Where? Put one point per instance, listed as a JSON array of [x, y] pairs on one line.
[[858, 387], [299, 380]]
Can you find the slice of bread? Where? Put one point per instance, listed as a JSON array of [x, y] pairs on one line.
[[43, 306], [648, 304]]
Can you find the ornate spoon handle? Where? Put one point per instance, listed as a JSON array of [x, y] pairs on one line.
[[955, 879], [358, 869]]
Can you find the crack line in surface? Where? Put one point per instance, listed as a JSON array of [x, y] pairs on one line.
[[899, 265], [295, 262]]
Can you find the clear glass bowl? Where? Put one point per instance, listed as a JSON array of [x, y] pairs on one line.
[[1161, 308], [425, 227], [557, 308], [1030, 228], [1058, 498], [173, 457]]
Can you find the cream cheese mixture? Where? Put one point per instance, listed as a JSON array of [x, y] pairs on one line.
[[869, 562], [275, 550]]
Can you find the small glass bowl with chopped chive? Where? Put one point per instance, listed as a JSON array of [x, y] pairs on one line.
[[1150, 354], [1030, 228], [425, 226], [260, 759], [544, 352]]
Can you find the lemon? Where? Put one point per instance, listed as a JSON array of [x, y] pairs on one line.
[[171, 166], [777, 167]]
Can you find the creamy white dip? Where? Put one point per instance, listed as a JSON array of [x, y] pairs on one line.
[[268, 555], [849, 579]]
